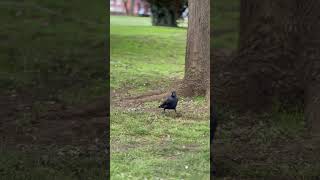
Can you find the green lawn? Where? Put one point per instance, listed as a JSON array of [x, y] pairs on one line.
[[142, 54], [53, 50], [51, 163], [50, 51], [144, 142]]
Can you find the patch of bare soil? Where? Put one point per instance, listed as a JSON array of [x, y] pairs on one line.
[[81, 125], [138, 100], [119, 99], [185, 109], [22, 124]]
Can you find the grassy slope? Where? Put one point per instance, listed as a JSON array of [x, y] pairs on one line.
[[258, 146], [142, 56], [48, 52], [53, 48], [144, 142]]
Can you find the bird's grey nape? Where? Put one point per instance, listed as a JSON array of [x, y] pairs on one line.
[[173, 93]]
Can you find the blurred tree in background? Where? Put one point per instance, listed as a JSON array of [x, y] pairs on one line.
[[166, 12]]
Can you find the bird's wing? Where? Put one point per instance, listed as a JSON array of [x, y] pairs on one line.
[[167, 101]]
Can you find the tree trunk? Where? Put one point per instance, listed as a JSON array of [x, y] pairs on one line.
[[310, 58], [125, 5], [279, 55], [165, 12], [267, 58], [163, 15], [248, 10], [197, 66], [132, 7]]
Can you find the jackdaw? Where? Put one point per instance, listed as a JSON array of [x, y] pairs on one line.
[[170, 103]]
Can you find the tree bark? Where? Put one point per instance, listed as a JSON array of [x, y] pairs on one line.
[[132, 7], [163, 16], [125, 5], [279, 55], [309, 29], [267, 58], [165, 12], [197, 64], [248, 10]]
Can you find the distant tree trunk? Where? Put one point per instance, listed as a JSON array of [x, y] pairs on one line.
[[132, 7], [279, 55], [165, 12], [163, 16], [197, 66], [125, 5]]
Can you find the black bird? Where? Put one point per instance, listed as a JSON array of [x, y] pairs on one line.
[[170, 103]]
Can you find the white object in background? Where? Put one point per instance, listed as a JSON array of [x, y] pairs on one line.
[[141, 11], [185, 13]]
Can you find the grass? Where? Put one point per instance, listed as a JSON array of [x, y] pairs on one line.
[[142, 54], [153, 145], [51, 51], [51, 164], [144, 142], [272, 145]]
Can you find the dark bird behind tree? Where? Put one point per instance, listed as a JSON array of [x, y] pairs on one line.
[[170, 103]]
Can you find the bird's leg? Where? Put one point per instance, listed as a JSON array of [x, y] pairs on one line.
[[175, 111]]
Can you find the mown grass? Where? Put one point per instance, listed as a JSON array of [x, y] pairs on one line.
[[52, 163], [145, 143], [142, 55], [51, 51], [153, 145]]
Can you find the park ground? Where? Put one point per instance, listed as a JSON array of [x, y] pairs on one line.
[[250, 146], [146, 62]]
